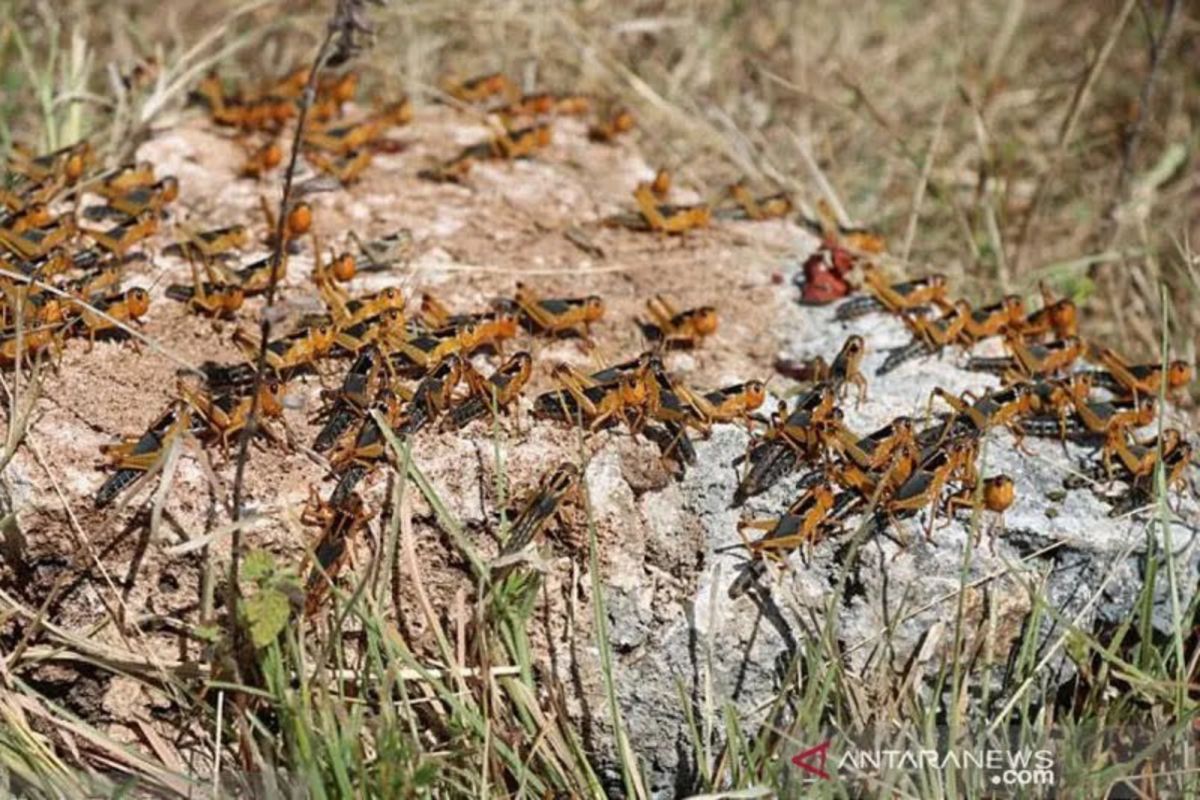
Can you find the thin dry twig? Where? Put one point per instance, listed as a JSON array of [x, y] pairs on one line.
[[343, 38], [1067, 130], [1158, 44]]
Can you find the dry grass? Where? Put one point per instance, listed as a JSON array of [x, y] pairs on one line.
[[1000, 143]]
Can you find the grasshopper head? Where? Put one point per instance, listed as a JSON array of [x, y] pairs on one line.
[[1064, 317], [231, 298], [271, 155], [706, 320], [1014, 308], [299, 219], [593, 308], [138, 301], [343, 267], [77, 162], [998, 493], [1179, 374], [169, 188], [322, 337], [270, 398], [755, 394]]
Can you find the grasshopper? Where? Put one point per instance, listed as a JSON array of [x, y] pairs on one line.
[[356, 138], [996, 494], [385, 330], [727, 404], [227, 415], [27, 346], [599, 400], [1137, 459], [209, 245], [352, 463], [32, 216], [433, 395], [521, 143], [669, 219], [127, 177], [1143, 488], [894, 297], [1104, 417], [35, 243], [930, 336], [1057, 317], [1119, 377], [143, 199], [799, 524], [427, 350], [340, 522], [501, 388], [994, 320], [351, 400], [1031, 361], [332, 94], [749, 207], [544, 104], [684, 329], [480, 88], [261, 160], [120, 238], [211, 299], [293, 352], [791, 438], [607, 130], [554, 316], [347, 169], [1004, 408], [66, 164], [805, 522], [255, 278], [924, 486], [845, 370], [125, 307], [876, 450], [543, 504], [134, 457]]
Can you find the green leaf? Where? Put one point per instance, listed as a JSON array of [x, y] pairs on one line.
[[267, 613], [259, 564], [207, 633]]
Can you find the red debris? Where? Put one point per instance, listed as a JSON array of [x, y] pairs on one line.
[[825, 274]]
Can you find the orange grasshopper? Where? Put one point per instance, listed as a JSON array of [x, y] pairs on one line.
[[480, 88], [125, 307], [561, 314], [261, 160], [134, 457], [340, 522], [897, 298], [608, 129], [543, 504], [224, 416], [682, 329], [499, 391], [802, 525], [749, 207]]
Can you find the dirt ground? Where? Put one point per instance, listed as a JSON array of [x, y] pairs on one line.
[[472, 244]]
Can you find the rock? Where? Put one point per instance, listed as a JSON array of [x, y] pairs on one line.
[[718, 651], [668, 546]]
